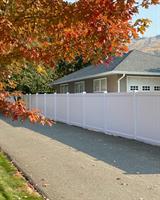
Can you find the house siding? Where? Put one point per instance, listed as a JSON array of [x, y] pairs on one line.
[[112, 84], [123, 84], [71, 87], [89, 85]]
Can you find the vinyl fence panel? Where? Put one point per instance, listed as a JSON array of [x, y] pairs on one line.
[[94, 111], [40, 103], [61, 107], [148, 117], [49, 108], [33, 101], [76, 109], [130, 115], [120, 114]]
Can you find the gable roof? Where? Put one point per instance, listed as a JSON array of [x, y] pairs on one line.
[[133, 62]]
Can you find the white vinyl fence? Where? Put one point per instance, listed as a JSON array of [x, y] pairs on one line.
[[130, 115]]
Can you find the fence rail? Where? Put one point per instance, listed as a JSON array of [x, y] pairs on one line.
[[130, 115]]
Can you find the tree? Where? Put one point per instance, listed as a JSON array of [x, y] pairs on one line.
[[33, 79], [47, 31], [64, 68], [36, 79]]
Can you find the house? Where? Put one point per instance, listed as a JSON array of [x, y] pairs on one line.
[[135, 70]]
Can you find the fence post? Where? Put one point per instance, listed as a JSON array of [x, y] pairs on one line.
[[83, 110], [135, 114], [44, 104], [30, 101], [55, 106], [105, 110], [68, 111]]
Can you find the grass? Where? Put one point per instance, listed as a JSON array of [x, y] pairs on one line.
[[12, 184]]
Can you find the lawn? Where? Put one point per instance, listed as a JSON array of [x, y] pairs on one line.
[[12, 185]]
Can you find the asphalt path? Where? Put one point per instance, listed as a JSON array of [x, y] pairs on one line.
[[71, 163]]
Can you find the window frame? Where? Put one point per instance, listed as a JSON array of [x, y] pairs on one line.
[[135, 86], [100, 85], [78, 84], [62, 91], [157, 88], [148, 88]]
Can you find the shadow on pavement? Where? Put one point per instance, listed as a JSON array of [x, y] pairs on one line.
[[128, 155]]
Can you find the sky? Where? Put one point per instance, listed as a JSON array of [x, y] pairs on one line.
[[153, 13]]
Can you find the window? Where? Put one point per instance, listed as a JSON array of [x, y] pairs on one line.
[[133, 87], [64, 88], [79, 87], [146, 88], [100, 85], [156, 88]]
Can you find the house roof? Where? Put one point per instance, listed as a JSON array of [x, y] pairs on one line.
[[133, 62]]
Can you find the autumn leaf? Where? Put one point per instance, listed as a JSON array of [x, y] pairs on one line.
[[44, 32]]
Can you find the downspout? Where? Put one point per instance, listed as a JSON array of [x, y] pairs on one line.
[[119, 83]]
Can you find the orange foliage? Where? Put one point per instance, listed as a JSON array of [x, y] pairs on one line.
[[17, 110], [50, 30]]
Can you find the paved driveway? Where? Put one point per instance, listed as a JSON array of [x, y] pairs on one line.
[[70, 163]]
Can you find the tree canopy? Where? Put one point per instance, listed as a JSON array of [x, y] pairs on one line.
[[64, 68], [46, 31], [32, 79]]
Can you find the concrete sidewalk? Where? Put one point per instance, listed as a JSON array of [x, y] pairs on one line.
[[71, 163]]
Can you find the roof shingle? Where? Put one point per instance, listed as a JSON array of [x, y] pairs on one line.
[[132, 62]]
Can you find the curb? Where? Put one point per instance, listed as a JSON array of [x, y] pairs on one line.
[[25, 175]]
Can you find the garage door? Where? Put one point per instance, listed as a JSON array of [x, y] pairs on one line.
[[143, 84]]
